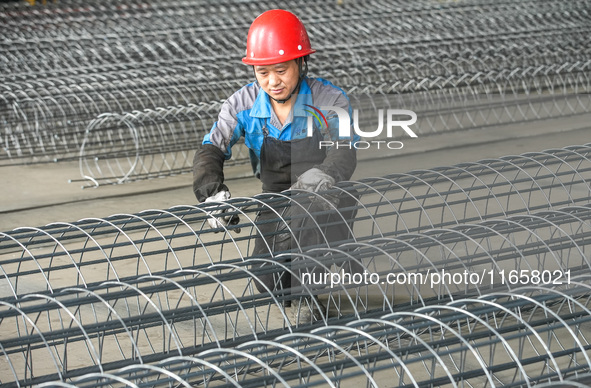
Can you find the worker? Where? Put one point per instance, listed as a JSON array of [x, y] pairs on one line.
[[271, 114]]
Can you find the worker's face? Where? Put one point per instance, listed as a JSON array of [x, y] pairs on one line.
[[278, 80]]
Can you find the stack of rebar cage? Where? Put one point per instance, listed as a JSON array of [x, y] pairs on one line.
[[129, 90], [160, 298], [471, 275]]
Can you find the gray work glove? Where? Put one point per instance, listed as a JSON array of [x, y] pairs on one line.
[[313, 180], [218, 219]]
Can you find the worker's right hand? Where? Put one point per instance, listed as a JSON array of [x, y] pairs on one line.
[[314, 180], [217, 218]]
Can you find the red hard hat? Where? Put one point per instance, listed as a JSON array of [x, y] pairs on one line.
[[276, 36]]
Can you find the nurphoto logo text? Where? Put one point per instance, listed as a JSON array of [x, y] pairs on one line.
[[389, 116]]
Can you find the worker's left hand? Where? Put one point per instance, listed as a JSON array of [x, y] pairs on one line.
[[313, 180]]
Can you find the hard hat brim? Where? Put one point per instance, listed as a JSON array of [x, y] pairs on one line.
[[276, 60]]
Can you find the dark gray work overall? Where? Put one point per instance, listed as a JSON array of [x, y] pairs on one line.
[[281, 163]]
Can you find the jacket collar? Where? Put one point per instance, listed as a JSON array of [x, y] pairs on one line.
[[262, 105]]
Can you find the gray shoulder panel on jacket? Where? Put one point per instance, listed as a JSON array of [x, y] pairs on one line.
[[241, 100]]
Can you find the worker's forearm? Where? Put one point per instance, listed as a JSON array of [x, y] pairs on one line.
[[208, 172]]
